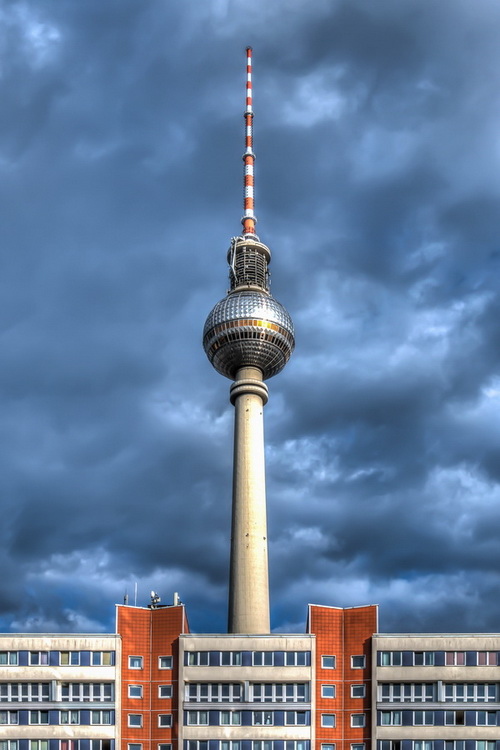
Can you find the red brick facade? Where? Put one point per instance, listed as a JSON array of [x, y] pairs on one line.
[[343, 634], [151, 635]]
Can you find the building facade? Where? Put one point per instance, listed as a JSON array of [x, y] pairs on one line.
[[59, 692], [339, 686]]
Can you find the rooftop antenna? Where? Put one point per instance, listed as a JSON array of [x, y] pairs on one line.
[[249, 219]]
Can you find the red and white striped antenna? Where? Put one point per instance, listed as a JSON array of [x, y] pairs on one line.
[[249, 219]]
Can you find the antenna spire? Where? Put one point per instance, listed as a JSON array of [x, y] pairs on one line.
[[249, 220]]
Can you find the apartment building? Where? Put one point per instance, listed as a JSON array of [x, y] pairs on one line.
[[59, 692], [436, 692], [339, 686]]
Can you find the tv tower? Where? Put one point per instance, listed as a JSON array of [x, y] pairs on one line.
[[248, 337]]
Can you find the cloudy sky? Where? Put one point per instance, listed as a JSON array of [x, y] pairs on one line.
[[377, 134]]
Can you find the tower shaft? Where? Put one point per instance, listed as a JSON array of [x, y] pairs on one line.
[[249, 582]]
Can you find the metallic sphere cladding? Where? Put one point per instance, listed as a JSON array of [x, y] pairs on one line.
[[248, 329]]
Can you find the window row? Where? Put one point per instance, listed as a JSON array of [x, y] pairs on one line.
[[55, 744], [330, 720], [438, 745], [57, 717], [247, 658], [136, 691], [439, 718], [57, 658], [244, 745], [25, 691], [235, 692], [137, 662], [84, 692], [247, 718], [419, 692], [437, 658], [330, 691], [328, 661], [136, 720]]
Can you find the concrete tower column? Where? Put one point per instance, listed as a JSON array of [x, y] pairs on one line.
[[249, 580]]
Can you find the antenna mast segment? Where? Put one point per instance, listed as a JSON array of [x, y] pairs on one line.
[[249, 220]]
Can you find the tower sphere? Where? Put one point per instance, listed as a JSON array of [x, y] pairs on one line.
[[248, 329]]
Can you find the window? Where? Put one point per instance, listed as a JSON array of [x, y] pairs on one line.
[[164, 746], [165, 720], [391, 658], [295, 718], [454, 718], [423, 718], [296, 658], [389, 745], [358, 662], [102, 658], [414, 692], [211, 692], [229, 745], [327, 746], [87, 691], [135, 662], [328, 691], [8, 717], [487, 658], [472, 692], [358, 720], [39, 745], [486, 718], [454, 745], [230, 718], [135, 691], [8, 744], [423, 658], [230, 658], [390, 718], [94, 745], [69, 717], [165, 662], [9, 658], [134, 746], [39, 658], [485, 744], [135, 720], [164, 691], [100, 717], [328, 662], [197, 717], [423, 745], [289, 692], [453, 658], [39, 717], [358, 746], [261, 718], [24, 691], [263, 658], [197, 658], [69, 658], [197, 744], [327, 720], [358, 691]]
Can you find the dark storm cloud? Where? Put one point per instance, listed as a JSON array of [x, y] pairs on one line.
[[377, 190]]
